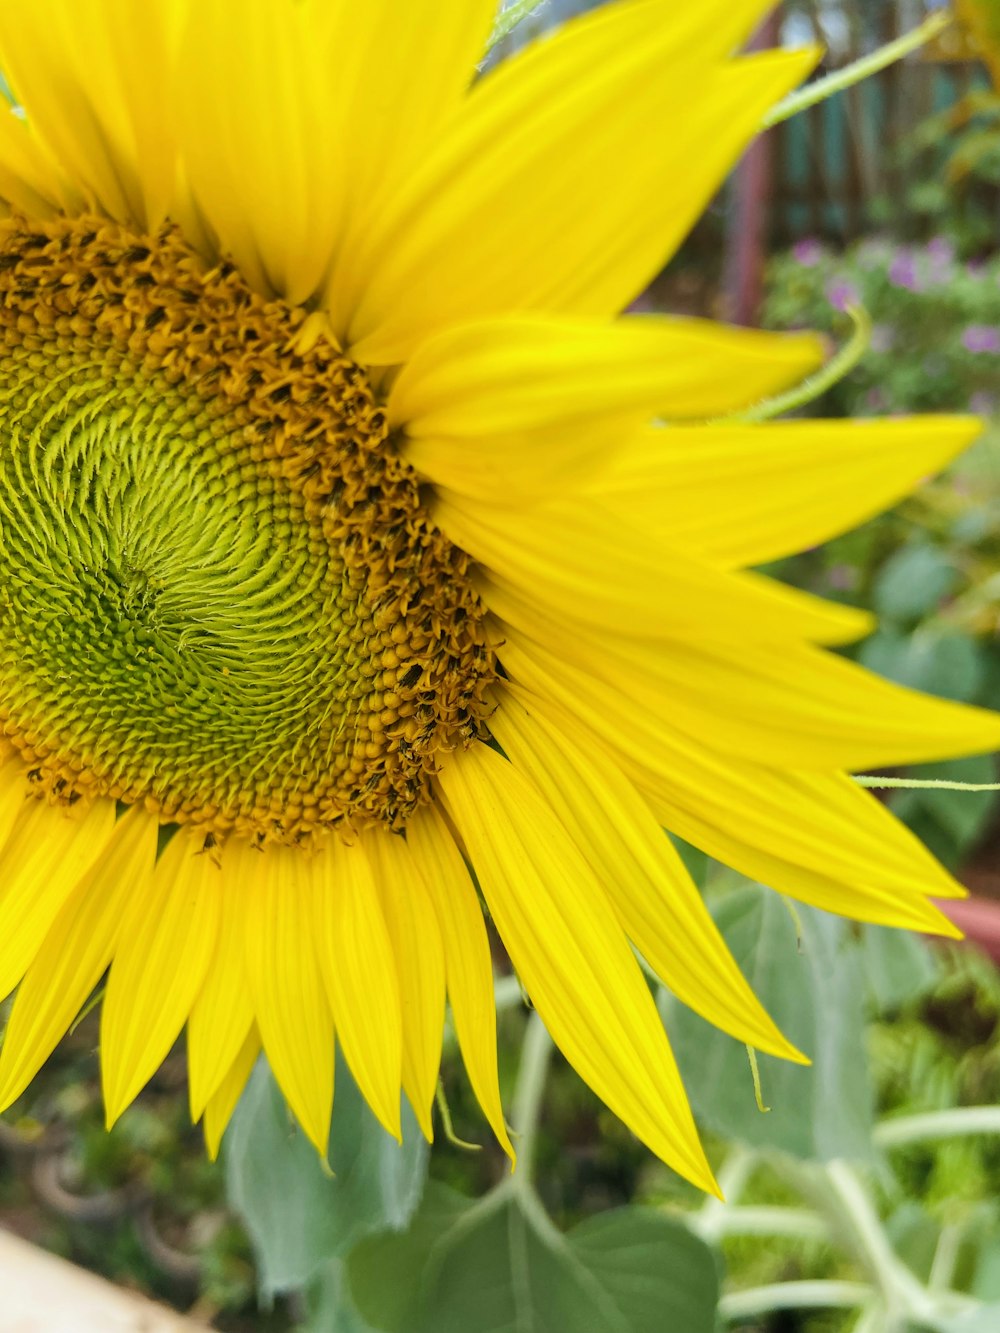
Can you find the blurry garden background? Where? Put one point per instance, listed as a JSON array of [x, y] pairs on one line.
[[885, 197]]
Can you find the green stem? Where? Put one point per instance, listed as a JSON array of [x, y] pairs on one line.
[[851, 74], [821, 1294], [958, 1121], [528, 1094], [508, 19], [917, 784], [797, 1223]]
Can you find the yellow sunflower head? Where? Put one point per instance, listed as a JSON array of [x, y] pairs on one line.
[[341, 559]]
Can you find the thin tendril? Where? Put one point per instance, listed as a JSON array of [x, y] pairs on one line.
[[755, 1075], [918, 784], [853, 73], [508, 19], [840, 365]]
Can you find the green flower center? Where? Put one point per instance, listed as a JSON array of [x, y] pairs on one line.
[[219, 592]]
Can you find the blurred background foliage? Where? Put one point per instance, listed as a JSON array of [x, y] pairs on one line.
[[907, 226]]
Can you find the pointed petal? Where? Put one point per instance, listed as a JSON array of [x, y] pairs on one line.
[[570, 557], [117, 145], [279, 890], [162, 954], [416, 941], [222, 1103], [659, 907], [468, 965], [814, 836], [571, 953], [222, 1015], [504, 409], [359, 971], [791, 702], [76, 952], [48, 852], [743, 495], [558, 188]]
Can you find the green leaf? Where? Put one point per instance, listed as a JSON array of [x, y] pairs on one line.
[[962, 815], [330, 1304], [912, 582], [298, 1216], [814, 990], [944, 663], [898, 966], [500, 1266]]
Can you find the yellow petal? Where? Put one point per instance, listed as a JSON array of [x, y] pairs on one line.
[[659, 907], [789, 702], [416, 941], [394, 107], [558, 189], [76, 951], [14, 794], [279, 890], [222, 1103], [222, 1015], [48, 852], [814, 836], [29, 180], [468, 965], [571, 953], [163, 950], [743, 495], [359, 970], [572, 558], [506, 408], [94, 81]]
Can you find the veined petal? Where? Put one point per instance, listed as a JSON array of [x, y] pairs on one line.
[[571, 953], [653, 895], [505, 408], [258, 104], [791, 702], [576, 560], [556, 191], [526, 372], [222, 1103], [166, 940], [360, 973], [94, 80], [416, 940], [468, 965], [394, 107], [45, 857], [76, 951], [279, 889], [743, 495], [814, 836], [222, 1015]]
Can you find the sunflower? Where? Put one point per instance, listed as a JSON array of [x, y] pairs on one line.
[[345, 568]]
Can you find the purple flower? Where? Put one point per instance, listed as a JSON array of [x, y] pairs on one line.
[[807, 252], [883, 338], [841, 293], [983, 404], [876, 401], [940, 250], [981, 338], [903, 272]]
